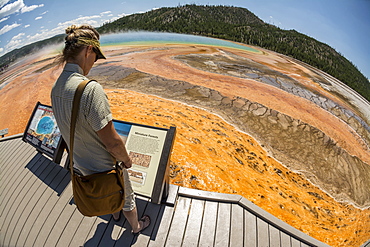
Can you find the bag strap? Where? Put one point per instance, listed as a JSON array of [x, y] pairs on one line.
[[75, 108]]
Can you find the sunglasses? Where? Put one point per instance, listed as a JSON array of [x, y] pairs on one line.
[[96, 54]]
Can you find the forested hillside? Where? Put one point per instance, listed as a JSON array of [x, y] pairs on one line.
[[236, 24], [10, 57]]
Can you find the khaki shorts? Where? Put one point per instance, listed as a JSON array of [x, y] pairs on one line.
[[129, 192]]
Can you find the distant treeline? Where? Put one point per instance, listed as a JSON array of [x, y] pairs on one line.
[[10, 57], [241, 25]]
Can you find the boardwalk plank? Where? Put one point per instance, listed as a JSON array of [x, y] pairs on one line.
[[17, 171], [13, 179], [15, 151], [70, 228], [15, 199], [6, 149], [223, 226], [207, 235], [15, 164], [60, 225], [237, 226], [37, 209], [274, 237], [37, 227], [53, 217], [21, 153], [114, 231], [192, 231], [9, 149], [296, 243], [31, 199], [79, 237], [125, 237], [96, 232], [250, 224], [285, 239], [162, 226], [262, 233], [153, 211], [176, 232]]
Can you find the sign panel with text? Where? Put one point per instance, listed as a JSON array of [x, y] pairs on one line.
[[149, 149]]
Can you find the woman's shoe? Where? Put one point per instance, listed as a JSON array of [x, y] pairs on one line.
[[145, 223]]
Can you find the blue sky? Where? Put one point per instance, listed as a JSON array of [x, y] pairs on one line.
[[342, 24]]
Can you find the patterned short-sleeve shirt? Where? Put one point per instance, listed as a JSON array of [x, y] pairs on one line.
[[90, 154]]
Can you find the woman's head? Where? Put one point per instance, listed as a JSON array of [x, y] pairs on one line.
[[81, 39], [78, 37]]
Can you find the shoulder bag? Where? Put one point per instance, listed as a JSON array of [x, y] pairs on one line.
[[100, 193]]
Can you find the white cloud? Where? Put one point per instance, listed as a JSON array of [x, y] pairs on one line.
[[25, 26], [7, 28], [1, 50], [38, 18], [105, 13], [30, 8], [119, 16], [4, 19], [3, 2], [11, 8], [18, 36], [44, 34], [81, 20], [15, 42], [17, 6]]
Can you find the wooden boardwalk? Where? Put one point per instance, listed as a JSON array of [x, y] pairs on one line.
[[36, 209]]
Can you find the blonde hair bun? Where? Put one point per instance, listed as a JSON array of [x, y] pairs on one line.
[[71, 29], [83, 31]]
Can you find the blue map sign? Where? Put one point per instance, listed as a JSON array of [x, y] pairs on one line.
[[43, 133], [45, 126]]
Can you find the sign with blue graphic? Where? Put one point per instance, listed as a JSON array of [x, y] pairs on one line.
[[43, 133]]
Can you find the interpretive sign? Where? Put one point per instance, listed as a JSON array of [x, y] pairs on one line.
[[43, 133], [4, 132], [149, 149]]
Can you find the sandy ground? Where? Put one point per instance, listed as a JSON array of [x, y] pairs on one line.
[[209, 153]]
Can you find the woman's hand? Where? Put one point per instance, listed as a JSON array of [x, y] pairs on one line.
[[127, 164]]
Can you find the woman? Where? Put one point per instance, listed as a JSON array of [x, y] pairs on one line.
[[97, 146]]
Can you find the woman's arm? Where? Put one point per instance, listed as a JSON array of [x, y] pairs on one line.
[[114, 144]]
